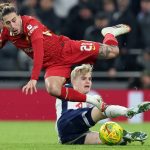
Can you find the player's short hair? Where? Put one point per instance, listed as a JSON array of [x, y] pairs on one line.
[[6, 8], [81, 70]]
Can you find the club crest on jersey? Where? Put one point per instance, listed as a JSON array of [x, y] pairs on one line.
[[88, 46], [31, 29]]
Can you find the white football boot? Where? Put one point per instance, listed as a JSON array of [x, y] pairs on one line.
[[116, 30], [129, 137], [144, 106]]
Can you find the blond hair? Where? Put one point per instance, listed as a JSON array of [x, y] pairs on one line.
[[6, 8], [81, 70]]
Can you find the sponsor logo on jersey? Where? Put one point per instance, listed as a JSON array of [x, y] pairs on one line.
[[47, 33]]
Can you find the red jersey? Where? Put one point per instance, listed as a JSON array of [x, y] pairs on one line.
[[36, 41], [54, 53]]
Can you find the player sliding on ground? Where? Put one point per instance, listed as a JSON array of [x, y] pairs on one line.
[[74, 118], [56, 54]]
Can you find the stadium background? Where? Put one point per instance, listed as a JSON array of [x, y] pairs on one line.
[[16, 106], [123, 81]]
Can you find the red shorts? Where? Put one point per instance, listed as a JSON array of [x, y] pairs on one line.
[[74, 53]]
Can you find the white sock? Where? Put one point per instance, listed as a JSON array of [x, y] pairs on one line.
[[113, 111]]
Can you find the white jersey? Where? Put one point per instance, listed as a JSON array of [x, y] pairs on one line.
[[63, 105]]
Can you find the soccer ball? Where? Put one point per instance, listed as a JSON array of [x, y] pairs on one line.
[[111, 133]]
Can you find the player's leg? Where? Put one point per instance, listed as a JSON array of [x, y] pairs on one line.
[[128, 137], [109, 111], [90, 116], [54, 84], [97, 115], [54, 80], [92, 138], [68, 126], [86, 121], [109, 48], [74, 125], [113, 111], [108, 51]]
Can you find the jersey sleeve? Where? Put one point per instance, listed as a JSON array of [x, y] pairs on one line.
[[34, 32]]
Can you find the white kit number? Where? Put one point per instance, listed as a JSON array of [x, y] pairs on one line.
[[87, 47]]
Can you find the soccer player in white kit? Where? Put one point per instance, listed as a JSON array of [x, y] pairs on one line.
[[74, 119]]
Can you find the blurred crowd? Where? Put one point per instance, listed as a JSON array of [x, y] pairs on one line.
[[83, 20]]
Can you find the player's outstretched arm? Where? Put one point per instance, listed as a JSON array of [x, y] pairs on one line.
[[108, 52]]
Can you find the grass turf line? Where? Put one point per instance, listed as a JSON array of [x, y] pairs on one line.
[[28, 135]]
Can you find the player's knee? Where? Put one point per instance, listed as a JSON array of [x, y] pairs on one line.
[[54, 90], [116, 49]]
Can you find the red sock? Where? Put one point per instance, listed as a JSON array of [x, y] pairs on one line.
[[109, 39], [70, 94]]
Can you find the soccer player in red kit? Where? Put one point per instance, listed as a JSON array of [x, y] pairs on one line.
[[56, 54]]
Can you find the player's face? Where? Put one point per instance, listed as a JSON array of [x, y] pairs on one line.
[[83, 83], [13, 22]]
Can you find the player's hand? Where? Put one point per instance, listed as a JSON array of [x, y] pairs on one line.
[[30, 87]]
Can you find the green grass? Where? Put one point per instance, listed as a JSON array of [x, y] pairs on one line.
[[42, 136]]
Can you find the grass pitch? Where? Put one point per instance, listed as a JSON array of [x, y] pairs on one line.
[[42, 136]]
